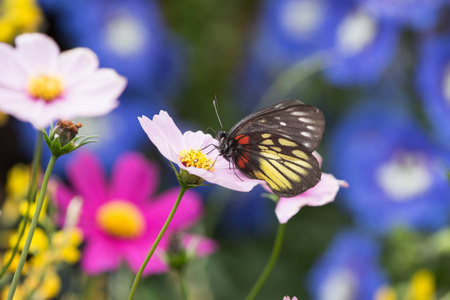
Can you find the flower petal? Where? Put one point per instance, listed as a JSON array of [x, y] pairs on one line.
[[201, 245], [164, 134], [135, 257], [324, 192], [134, 178], [12, 72], [188, 212], [100, 84], [87, 176], [76, 64], [38, 51], [98, 257]]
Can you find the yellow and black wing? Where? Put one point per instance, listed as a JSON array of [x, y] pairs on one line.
[[287, 166]]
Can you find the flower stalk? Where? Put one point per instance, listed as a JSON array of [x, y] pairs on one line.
[[183, 189], [31, 195], [33, 225], [270, 264]]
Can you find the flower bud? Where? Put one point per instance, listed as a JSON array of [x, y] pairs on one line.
[[176, 255], [66, 130], [63, 138]]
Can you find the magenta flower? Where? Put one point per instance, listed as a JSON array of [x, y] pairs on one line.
[[120, 220], [40, 84], [324, 192], [289, 298], [194, 152]]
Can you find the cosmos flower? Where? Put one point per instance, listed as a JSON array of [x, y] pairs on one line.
[[324, 192], [397, 174], [120, 220], [288, 298], [194, 152], [39, 84], [433, 81], [349, 269]]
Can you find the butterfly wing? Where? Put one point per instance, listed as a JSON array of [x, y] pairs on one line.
[[304, 124], [287, 166]]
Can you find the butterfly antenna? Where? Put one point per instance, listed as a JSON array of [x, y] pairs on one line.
[[216, 107], [212, 129]]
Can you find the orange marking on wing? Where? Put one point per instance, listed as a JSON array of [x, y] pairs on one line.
[[242, 161], [242, 139]]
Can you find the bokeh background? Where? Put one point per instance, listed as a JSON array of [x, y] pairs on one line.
[[378, 69]]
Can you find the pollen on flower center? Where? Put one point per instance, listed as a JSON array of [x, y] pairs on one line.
[[45, 87], [196, 158], [121, 219]]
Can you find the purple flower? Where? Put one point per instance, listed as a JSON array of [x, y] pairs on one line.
[[121, 219], [349, 269], [363, 47], [433, 80], [418, 14], [397, 174]]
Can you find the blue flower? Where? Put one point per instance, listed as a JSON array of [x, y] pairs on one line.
[[363, 49], [396, 174], [290, 29], [433, 79], [349, 270], [128, 36], [418, 14], [118, 132]]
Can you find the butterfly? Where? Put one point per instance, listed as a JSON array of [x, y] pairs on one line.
[[275, 144]]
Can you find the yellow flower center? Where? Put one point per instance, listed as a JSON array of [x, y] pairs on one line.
[[121, 219], [45, 87], [196, 158]]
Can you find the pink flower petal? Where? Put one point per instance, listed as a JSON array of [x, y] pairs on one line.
[[87, 177], [12, 73], [135, 258], [200, 245], [194, 140], [76, 64], [188, 212], [38, 52], [134, 178], [164, 134], [99, 256], [103, 83], [324, 192]]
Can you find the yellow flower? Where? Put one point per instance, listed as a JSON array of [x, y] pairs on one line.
[[39, 243], [17, 180], [12, 267], [24, 207], [65, 243], [19, 16], [422, 286], [385, 293], [3, 117]]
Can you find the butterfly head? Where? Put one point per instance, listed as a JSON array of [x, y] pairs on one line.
[[226, 145]]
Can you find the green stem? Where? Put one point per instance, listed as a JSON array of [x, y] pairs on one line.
[[183, 285], [294, 75], [31, 195], [270, 264], [183, 189], [34, 221]]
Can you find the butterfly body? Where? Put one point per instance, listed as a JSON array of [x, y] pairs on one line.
[[275, 144]]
